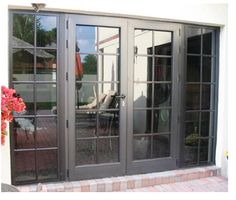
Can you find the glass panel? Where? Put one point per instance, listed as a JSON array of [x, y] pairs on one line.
[[26, 91], [143, 68], [47, 164], [192, 125], [142, 95], [162, 69], [109, 69], [109, 40], [193, 68], [141, 148], [86, 67], [206, 125], [86, 39], [108, 150], [193, 97], [85, 152], [46, 132], [162, 43], [23, 30], [46, 99], [206, 96], [194, 40], [23, 133], [161, 146], [191, 151], [108, 123], [207, 42], [143, 41], [142, 121], [205, 150], [23, 65], [206, 69], [85, 124], [86, 95], [25, 166], [161, 121], [46, 65], [162, 95], [46, 31]]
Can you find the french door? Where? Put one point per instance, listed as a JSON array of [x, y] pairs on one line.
[[122, 108]]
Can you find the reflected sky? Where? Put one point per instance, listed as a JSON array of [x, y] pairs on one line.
[[47, 22]]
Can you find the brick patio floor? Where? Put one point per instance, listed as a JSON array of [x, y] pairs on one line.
[[209, 184]]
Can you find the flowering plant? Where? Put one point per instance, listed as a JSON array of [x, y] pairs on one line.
[[10, 102]]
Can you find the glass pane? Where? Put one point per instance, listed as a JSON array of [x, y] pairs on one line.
[[206, 125], [109, 69], [194, 40], [162, 43], [143, 68], [85, 152], [23, 65], [162, 69], [46, 65], [23, 30], [141, 148], [26, 91], [23, 133], [25, 166], [142, 121], [193, 97], [205, 150], [47, 164], [193, 68], [108, 150], [86, 67], [143, 41], [206, 96], [192, 124], [85, 124], [142, 95], [108, 123], [161, 121], [86, 39], [46, 132], [162, 95], [206, 69], [161, 146], [109, 40], [207, 42], [46, 99], [191, 151], [46, 31]]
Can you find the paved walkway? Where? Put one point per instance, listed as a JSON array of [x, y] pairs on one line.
[[210, 184]]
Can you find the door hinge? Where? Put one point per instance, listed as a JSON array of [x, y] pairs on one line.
[[67, 76], [67, 173], [67, 24], [67, 123], [66, 43]]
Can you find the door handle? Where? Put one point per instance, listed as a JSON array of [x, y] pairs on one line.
[[122, 96]]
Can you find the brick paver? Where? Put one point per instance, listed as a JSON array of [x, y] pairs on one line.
[[209, 184]]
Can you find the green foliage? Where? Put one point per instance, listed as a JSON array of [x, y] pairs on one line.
[[192, 139], [90, 64]]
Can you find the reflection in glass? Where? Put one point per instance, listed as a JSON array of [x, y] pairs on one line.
[[26, 91], [194, 40], [23, 65], [46, 132], [141, 148], [46, 31], [192, 124], [161, 146], [162, 69], [46, 99], [23, 30], [162, 43], [206, 69], [143, 68], [206, 96], [191, 151], [207, 42], [108, 150], [142, 95], [161, 121], [85, 152], [47, 164], [205, 150], [85, 124], [46, 65], [193, 97], [162, 95], [24, 166], [86, 39], [109, 40], [142, 47], [142, 121], [23, 133], [205, 124], [193, 68]]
